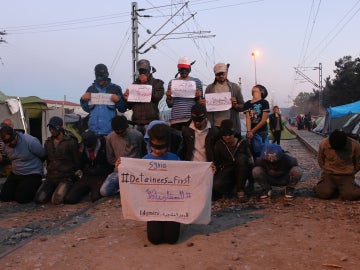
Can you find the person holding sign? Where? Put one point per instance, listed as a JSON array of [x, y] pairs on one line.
[[182, 94], [214, 95], [102, 100], [142, 101]]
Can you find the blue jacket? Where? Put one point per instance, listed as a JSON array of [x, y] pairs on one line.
[[100, 115]]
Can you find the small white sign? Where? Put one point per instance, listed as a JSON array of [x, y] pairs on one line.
[[166, 190], [140, 93], [100, 99], [216, 102], [183, 88]]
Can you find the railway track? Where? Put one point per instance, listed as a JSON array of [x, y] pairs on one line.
[[22, 224]]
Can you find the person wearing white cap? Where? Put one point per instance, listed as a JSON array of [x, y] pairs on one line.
[[221, 84], [181, 107]]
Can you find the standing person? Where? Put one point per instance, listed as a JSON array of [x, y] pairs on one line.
[[144, 113], [256, 111], [161, 231], [308, 121], [276, 168], [233, 161], [275, 124], [95, 168], [199, 137], [100, 115], [181, 107], [62, 161], [339, 160], [122, 142], [221, 84], [25, 153]]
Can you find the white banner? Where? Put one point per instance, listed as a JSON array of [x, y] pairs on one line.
[[218, 101], [140, 93], [183, 88], [100, 99], [165, 190]]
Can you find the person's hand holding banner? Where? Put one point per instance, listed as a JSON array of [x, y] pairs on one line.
[[183, 88], [100, 99], [139, 93], [218, 101]]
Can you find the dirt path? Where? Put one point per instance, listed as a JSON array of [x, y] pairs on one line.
[[305, 233]]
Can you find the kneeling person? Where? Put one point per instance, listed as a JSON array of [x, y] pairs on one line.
[[94, 166], [276, 168]]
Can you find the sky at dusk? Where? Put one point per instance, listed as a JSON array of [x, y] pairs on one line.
[[52, 47]]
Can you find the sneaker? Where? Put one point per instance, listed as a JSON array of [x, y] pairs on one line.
[[289, 193], [266, 193]]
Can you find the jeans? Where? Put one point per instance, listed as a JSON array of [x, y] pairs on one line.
[[111, 185]]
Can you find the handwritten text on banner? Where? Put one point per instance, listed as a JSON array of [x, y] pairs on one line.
[[218, 101], [140, 93], [166, 190], [183, 88], [100, 99]]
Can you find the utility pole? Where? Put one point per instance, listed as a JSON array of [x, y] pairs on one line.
[[135, 37], [319, 86]]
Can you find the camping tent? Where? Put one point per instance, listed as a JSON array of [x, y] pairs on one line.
[[351, 108], [340, 116]]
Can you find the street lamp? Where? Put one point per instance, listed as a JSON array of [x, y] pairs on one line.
[[254, 54]]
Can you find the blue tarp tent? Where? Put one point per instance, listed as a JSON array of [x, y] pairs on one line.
[[338, 111]]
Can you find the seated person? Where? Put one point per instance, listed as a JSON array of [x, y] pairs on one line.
[[233, 161], [339, 160], [94, 166], [276, 168]]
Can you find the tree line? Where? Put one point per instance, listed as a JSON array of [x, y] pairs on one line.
[[342, 89]]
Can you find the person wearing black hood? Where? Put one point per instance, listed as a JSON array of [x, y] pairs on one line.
[[233, 161], [144, 113], [94, 166], [100, 115]]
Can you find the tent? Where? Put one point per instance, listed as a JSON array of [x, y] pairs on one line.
[[342, 117], [33, 115], [351, 108]]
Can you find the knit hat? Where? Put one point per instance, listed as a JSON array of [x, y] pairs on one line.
[[143, 64], [55, 122], [183, 62], [101, 72], [272, 152], [227, 127], [220, 67]]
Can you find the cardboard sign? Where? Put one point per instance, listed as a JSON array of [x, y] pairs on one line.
[[140, 93], [100, 99], [216, 102], [165, 190], [183, 88]]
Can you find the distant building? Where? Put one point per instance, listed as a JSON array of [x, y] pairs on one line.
[[69, 107]]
